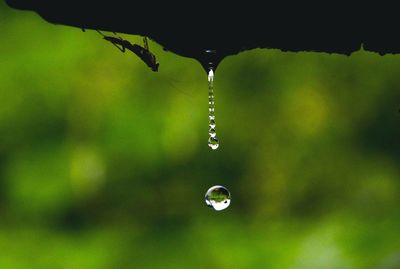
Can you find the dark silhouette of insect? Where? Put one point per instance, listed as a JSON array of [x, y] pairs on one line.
[[142, 52]]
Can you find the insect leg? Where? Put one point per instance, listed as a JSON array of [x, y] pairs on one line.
[[113, 40], [146, 45]]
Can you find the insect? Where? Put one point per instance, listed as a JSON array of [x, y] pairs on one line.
[[142, 52]]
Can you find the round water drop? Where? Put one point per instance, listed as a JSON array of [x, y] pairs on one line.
[[212, 132], [218, 197], [213, 143]]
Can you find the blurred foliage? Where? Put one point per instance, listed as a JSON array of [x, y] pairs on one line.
[[104, 164]]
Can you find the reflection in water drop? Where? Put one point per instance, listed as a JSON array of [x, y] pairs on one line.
[[218, 197], [212, 132], [211, 123], [212, 141]]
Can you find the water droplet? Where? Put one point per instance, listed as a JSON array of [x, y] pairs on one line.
[[211, 123], [213, 142], [212, 132], [210, 75], [218, 197]]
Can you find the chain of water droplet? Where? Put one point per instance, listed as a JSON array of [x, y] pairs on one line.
[[212, 140]]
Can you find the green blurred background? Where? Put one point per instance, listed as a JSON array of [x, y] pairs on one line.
[[104, 164]]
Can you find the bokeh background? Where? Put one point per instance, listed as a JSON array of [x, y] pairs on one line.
[[104, 164]]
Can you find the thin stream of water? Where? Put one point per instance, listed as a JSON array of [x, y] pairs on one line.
[[213, 142]]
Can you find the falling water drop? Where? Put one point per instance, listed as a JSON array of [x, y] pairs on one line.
[[211, 122], [218, 197], [212, 141], [212, 132]]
